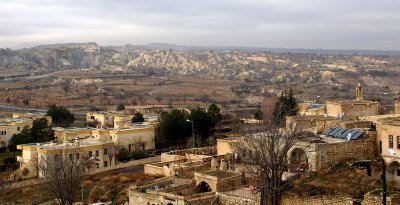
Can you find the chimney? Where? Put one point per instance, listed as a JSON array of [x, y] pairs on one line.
[[359, 94]]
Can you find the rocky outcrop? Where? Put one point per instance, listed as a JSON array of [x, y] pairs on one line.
[[241, 65]]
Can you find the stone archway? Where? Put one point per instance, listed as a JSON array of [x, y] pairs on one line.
[[298, 161], [393, 172], [203, 187]]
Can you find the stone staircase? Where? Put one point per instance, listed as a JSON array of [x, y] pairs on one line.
[[30, 165]]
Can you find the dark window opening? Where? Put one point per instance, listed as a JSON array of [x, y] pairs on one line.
[[390, 141], [398, 142]]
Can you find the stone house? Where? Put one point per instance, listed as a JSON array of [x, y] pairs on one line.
[[102, 152], [388, 143]]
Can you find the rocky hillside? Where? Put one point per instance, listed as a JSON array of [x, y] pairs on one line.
[[250, 66]]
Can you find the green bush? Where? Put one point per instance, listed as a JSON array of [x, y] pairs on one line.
[[138, 154], [124, 155]]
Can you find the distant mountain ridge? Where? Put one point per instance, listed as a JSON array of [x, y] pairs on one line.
[[260, 49], [268, 65]]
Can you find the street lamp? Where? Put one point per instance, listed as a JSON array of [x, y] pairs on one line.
[[192, 130]]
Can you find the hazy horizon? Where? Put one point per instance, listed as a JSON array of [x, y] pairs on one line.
[[305, 24]]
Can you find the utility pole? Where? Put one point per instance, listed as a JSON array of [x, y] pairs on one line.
[[192, 131], [384, 181]]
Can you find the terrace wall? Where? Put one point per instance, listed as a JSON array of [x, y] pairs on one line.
[[331, 153]]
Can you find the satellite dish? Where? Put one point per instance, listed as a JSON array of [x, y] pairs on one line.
[[348, 136], [391, 152], [325, 115]]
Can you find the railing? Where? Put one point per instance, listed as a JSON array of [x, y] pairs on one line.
[[26, 165]]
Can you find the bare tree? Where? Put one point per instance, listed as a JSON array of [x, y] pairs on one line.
[[112, 151], [63, 172], [264, 152]]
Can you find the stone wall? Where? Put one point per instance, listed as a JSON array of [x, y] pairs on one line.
[[190, 154], [315, 200], [370, 199], [225, 146], [322, 155], [351, 110], [314, 124], [182, 167], [330, 153], [235, 200], [153, 169]]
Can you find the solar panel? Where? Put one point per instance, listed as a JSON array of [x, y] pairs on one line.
[[333, 132], [353, 132], [329, 130], [344, 134], [339, 133], [357, 135]]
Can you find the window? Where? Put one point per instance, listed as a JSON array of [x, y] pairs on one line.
[[398, 142], [390, 141], [5, 132], [70, 156], [105, 151], [77, 155], [380, 147], [97, 153], [97, 165], [105, 164], [90, 154], [92, 117], [398, 172], [18, 128]]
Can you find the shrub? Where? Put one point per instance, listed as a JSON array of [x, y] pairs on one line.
[[25, 172], [138, 155], [123, 155]]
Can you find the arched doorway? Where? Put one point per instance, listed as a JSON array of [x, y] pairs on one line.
[[393, 172], [298, 161], [203, 187]]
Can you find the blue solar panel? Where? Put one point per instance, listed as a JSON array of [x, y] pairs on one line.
[[339, 133], [334, 132], [343, 133], [357, 135], [353, 132]]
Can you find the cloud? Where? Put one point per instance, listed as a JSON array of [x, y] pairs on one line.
[[348, 24]]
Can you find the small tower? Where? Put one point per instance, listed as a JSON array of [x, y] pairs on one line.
[[397, 105], [359, 94]]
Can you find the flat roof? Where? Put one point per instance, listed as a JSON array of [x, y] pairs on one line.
[[7, 121], [310, 117], [134, 126], [349, 102], [219, 174], [82, 143]]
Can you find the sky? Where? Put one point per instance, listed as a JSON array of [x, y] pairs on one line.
[[328, 24]]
